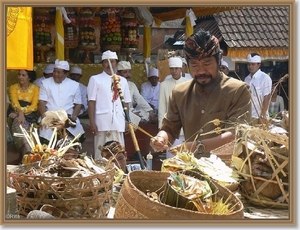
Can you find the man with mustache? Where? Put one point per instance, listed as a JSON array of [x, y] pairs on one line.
[[195, 104]]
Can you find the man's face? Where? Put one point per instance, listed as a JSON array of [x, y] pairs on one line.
[[125, 73], [59, 75], [175, 72], [106, 66], [75, 76], [204, 70], [153, 80], [224, 69], [253, 67]]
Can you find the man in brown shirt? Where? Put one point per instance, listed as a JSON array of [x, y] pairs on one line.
[[195, 105]]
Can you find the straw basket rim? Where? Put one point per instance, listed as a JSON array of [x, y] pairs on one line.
[[128, 207]]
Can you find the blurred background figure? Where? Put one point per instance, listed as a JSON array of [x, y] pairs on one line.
[[224, 67], [48, 72], [276, 104], [76, 74], [184, 72], [139, 106], [150, 89]]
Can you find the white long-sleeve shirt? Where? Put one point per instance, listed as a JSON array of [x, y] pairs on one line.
[[150, 93]]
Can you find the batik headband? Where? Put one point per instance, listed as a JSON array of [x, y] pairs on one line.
[[194, 51]]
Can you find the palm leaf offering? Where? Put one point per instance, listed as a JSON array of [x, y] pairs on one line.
[[192, 191], [190, 187], [212, 167]]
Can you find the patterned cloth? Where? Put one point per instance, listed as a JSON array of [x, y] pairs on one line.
[[196, 51]]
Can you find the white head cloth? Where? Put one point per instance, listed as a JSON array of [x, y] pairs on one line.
[[49, 68], [153, 72], [76, 70], [224, 63], [184, 60], [62, 65], [254, 59], [109, 55], [175, 62], [124, 65]]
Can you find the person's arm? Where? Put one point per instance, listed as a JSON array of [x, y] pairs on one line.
[[91, 112], [76, 111], [42, 108]]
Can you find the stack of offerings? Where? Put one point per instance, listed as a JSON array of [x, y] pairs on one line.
[[79, 187], [71, 186]]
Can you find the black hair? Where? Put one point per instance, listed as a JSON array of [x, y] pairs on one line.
[[254, 54], [31, 75]]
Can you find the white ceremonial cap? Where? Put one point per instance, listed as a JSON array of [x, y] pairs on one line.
[[76, 70], [124, 65], [184, 60], [254, 59], [224, 63], [153, 72], [49, 68], [109, 55], [175, 62], [62, 65]]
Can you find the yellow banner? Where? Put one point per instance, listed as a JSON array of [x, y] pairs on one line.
[[19, 43]]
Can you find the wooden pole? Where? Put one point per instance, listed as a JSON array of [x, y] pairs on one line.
[[127, 117]]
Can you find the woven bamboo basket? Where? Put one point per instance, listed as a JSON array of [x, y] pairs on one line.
[[79, 197], [133, 203], [265, 167]]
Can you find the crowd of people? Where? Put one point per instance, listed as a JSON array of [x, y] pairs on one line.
[[197, 91]]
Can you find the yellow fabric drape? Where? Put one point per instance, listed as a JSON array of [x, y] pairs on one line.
[[263, 52], [19, 43], [189, 29], [147, 42], [59, 40]]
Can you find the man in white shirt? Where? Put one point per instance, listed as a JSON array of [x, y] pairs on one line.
[[175, 65], [76, 74], [138, 106], [60, 92], [260, 85], [150, 89], [105, 108], [183, 71], [48, 72]]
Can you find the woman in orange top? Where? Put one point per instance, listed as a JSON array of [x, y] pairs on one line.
[[24, 104]]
